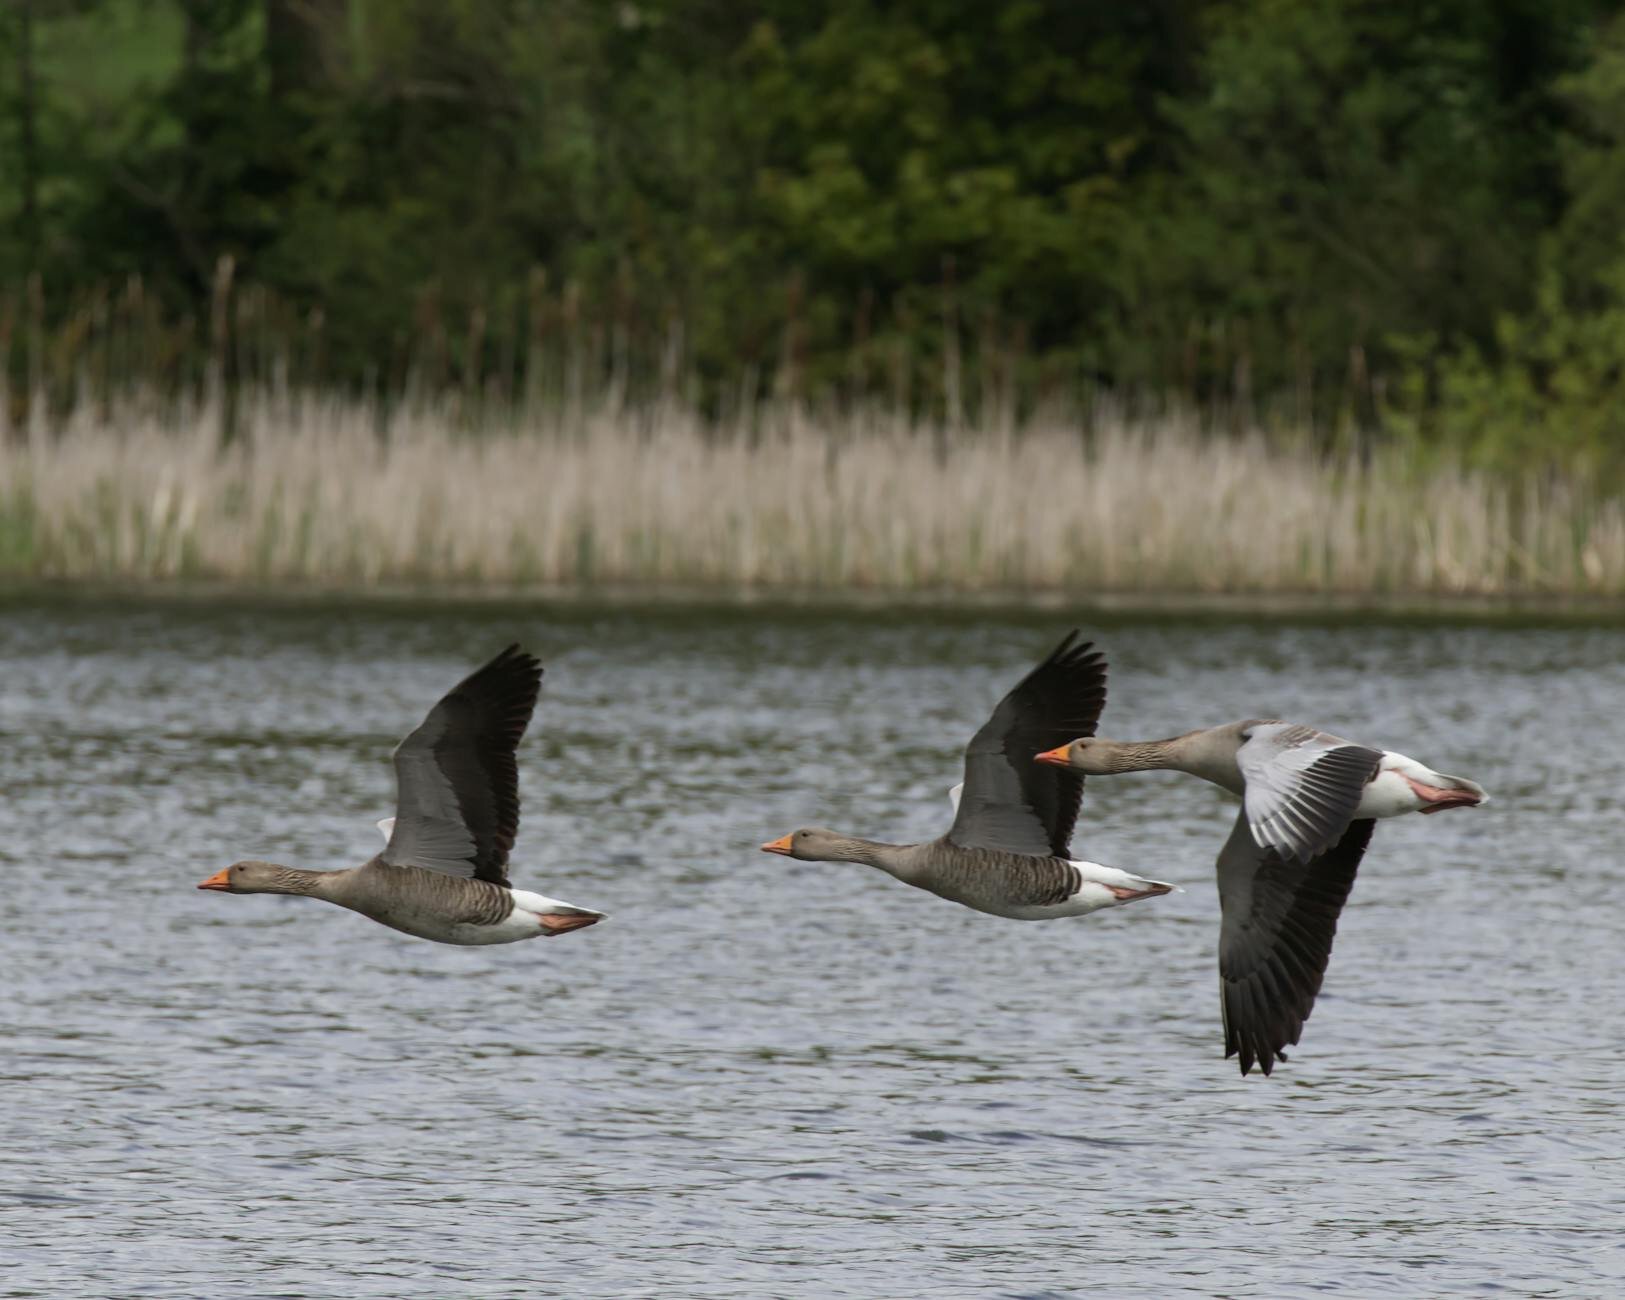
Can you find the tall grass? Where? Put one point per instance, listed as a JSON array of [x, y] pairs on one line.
[[338, 490]]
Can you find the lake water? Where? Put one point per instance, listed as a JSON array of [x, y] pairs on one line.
[[769, 1078]]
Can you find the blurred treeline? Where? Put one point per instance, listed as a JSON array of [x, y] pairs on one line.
[[1361, 218]]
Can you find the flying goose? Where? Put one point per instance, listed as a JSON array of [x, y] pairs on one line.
[[1309, 803], [1007, 851], [442, 874]]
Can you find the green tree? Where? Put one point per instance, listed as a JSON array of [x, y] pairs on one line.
[[1356, 171]]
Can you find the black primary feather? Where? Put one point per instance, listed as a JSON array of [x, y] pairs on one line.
[[1010, 801], [1275, 939], [458, 805]]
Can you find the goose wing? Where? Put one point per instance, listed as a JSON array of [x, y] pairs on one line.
[[457, 806], [1279, 919], [1302, 786], [1010, 802]]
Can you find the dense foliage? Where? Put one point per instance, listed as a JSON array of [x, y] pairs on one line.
[[1360, 214]]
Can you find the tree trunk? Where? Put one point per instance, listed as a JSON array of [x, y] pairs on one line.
[[301, 37]]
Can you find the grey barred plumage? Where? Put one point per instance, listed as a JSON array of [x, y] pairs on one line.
[[1309, 802], [996, 881], [1006, 852], [443, 873], [990, 879]]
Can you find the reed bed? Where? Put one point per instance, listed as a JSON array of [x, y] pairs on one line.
[[313, 489]]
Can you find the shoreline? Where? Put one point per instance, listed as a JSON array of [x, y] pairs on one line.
[[1174, 604]]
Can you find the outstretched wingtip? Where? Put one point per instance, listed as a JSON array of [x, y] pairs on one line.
[[1070, 648], [516, 654], [1249, 1061]]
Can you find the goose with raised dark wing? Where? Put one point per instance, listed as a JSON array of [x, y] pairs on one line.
[[1309, 803], [443, 872], [1008, 851]]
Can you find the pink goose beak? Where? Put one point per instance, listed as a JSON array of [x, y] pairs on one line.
[[221, 880], [563, 923], [1060, 756]]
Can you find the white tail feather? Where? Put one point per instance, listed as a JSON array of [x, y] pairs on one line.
[[542, 903], [1104, 875]]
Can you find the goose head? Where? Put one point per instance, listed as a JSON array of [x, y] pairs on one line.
[[1091, 755], [255, 877], [812, 844]]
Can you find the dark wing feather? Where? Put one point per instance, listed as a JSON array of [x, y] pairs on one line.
[[1010, 802], [457, 808], [1279, 919]]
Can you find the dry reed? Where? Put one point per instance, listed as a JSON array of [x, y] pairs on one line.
[[330, 490]]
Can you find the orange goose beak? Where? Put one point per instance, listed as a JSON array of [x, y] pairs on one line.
[[780, 845], [221, 880], [1059, 756]]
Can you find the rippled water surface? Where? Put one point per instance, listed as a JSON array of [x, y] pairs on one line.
[[766, 1078]]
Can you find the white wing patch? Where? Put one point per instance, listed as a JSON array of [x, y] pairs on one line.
[[388, 828], [953, 796]]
